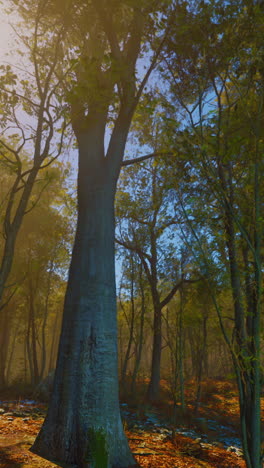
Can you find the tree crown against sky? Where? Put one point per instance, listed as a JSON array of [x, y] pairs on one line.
[[99, 51], [98, 89]]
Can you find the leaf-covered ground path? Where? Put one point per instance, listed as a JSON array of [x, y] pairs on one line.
[[20, 423]]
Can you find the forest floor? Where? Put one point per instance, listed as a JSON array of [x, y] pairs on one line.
[[209, 439]]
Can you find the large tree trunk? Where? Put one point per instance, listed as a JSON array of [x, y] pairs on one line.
[[83, 427]]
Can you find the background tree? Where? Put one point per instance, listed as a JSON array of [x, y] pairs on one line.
[[132, 308], [225, 142], [32, 132], [147, 228], [39, 268]]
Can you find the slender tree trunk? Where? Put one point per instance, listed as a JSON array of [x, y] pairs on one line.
[[172, 342], [193, 351], [11, 354], [247, 338], [250, 379], [83, 426], [25, 352], [53, 343], [255, 413], [28, 346], [33, 347], [4, 343], [141, 332], [202, 354], [44, 324], [154, 385], [181, 351], [131, 327]]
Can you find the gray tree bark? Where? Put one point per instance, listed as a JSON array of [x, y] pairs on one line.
[[83, 427]]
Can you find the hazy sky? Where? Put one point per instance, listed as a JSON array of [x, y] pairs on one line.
[[6, 36]]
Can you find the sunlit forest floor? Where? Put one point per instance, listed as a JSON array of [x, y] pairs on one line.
[[205, 439]]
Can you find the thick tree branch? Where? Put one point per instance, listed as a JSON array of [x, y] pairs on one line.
[[9, 299], [128, 162], [133, 247], [106, 20], [173, 291]]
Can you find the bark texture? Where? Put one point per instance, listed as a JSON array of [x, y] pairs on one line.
[[83, 427]]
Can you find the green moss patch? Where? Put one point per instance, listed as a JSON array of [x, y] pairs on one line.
[[96, 452]]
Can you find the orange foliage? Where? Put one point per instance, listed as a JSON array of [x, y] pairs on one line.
[[151, 450]]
